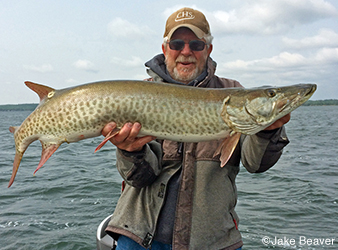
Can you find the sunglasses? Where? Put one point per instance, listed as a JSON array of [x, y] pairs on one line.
[[194, 45]]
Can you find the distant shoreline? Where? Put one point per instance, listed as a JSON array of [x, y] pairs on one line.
[[18, 107], [32, 106], [328, 102]]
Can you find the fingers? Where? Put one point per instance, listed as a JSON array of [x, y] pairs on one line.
[[279, 123], [127, 138], [138, 144], [107, 128], [286, 118], [128, 133]]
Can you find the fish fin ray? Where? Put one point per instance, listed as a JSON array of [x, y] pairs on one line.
[[16, 164], [110, 135], [47, 151], [227, 147], [12, 129], [40, 89]]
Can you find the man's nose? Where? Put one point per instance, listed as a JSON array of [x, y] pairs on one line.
[[186, 50]]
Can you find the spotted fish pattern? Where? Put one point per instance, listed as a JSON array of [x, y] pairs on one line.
[[167, 111]]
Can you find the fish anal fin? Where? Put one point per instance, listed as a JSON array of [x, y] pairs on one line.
[[16, 164], [42, 90], [47, 151], [227, 147], [110, 135], [12, 129]]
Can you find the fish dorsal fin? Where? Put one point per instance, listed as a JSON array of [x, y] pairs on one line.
[[42, 90]]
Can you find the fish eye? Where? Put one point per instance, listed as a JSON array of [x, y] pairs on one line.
[[271, 93]]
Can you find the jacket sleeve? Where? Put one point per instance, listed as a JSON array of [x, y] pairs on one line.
[[261, 151], [140, 169]]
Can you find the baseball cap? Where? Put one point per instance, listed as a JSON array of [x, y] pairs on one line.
[[190, 18]]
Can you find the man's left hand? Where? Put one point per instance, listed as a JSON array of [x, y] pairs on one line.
[[279, 123]]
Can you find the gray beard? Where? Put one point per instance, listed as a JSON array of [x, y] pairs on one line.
[[185, 79]]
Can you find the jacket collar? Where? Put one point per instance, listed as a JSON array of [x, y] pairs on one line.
[[157, 69]]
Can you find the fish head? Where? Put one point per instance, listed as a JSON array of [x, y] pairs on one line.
[[255, 109]]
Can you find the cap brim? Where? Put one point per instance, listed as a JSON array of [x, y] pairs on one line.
[[198, 32]]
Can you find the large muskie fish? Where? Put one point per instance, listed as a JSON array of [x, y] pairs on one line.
[[167, 111]]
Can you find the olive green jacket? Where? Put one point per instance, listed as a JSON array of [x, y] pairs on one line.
[[207, 196]]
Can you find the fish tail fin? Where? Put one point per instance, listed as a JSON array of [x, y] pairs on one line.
[[42, 90], [18, 154], [227, 147], [47, 151], [16, 164]]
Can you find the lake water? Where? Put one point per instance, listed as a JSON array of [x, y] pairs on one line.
[[294, 205]]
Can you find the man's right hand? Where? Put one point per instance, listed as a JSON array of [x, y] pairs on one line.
[[127, 139]]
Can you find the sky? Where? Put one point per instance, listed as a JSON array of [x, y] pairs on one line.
[[257, 42]]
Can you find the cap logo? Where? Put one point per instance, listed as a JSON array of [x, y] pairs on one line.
[[184, 15]]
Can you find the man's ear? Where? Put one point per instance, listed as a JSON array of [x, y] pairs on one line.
[[209, 49], [163, 49]]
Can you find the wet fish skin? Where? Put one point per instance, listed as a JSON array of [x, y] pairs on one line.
[[167, 111]]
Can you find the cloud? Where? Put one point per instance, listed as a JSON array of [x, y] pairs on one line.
[[121, 28], [85, 65], [327, 56], [72, 81], [286, 60], [170, 10], [265, 68], [286, 68], [134, 62], [325, 38], [44, 68], [270, 17]]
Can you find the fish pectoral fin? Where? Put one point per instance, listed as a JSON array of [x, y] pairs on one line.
[[47, 151], [227, 147], [16, 164], [110, 135]]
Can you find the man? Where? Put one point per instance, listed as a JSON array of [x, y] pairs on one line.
[[177, 196]]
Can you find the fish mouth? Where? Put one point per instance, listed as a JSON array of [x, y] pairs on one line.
[[312, 90], [288, 104]]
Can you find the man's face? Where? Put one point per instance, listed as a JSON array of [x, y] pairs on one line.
[[185, 65]]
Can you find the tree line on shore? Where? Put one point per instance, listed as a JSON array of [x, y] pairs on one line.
[[321, 102], [32, 106]]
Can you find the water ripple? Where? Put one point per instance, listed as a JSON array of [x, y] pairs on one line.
[[62, 205]]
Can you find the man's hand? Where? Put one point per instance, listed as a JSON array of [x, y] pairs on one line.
[[127, 138], [279, 123]]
